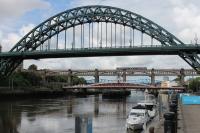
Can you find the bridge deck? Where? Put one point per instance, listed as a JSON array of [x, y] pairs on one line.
[[123, 87], [89, 52]]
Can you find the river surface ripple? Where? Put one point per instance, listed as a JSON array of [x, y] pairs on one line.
[[62, 115]]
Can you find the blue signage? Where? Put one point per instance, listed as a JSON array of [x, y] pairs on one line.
[[190, 100]]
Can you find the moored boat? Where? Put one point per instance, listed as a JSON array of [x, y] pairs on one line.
[[137, 118], [150, 104]]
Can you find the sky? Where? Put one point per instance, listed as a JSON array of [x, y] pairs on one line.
[[179, 17]]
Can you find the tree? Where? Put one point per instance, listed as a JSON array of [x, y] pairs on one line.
[[194, 84], [58, 78], [178, 80], [4, 81], [19, 80], [33, 78], [82, 81], [76, 80], [32, 67]]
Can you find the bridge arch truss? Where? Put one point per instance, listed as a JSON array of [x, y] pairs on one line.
[[70, 19]]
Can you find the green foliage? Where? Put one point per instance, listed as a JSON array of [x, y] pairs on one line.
[[4, 81], [33, 78], [194, 84], [24, 79], [178, 80], [60, 78], [19, 80], [76, 80], [32, 67]]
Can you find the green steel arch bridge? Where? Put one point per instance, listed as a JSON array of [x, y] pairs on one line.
[[97, 31]]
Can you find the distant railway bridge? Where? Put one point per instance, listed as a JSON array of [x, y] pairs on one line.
[[122, 72]]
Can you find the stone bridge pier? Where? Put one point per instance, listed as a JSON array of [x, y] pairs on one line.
[[70, 77], [182, 77], [96, 76], [152, 76], [124, 75]]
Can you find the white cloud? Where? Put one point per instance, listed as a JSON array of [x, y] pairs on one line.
[[25, 29], [187, 18], [15, 8], [10, 39], [1, 34]]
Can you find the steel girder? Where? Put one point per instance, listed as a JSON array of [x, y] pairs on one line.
[[116, 51], [88, 14]]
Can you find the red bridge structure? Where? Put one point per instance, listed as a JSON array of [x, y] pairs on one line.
[[122, 86]]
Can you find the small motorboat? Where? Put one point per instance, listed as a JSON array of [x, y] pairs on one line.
[[137, 118], [150, 104], [150, 107]]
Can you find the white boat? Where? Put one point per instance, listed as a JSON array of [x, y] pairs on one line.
[[150, 104], [137, 118]]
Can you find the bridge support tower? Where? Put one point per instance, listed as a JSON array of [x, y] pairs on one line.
[[96, 76], [70, 77], [152, 76], [182, 77], [124, 75]]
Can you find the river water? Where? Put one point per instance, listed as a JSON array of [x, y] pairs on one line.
[[68, 114]]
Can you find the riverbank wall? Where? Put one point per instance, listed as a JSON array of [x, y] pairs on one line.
[[42, 92]]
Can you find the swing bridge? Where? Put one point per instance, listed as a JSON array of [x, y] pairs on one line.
[[97, 30]]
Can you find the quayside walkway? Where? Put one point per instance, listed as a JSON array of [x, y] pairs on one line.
[[189, 119], [188, 116]]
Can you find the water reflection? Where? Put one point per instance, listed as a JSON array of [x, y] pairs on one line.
[[83, 124], [134, 131], [69, 105], [64, 115], [9, 121], [96, 106]]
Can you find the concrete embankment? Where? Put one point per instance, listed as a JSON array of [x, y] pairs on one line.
[[6, 93], [189, 119]]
